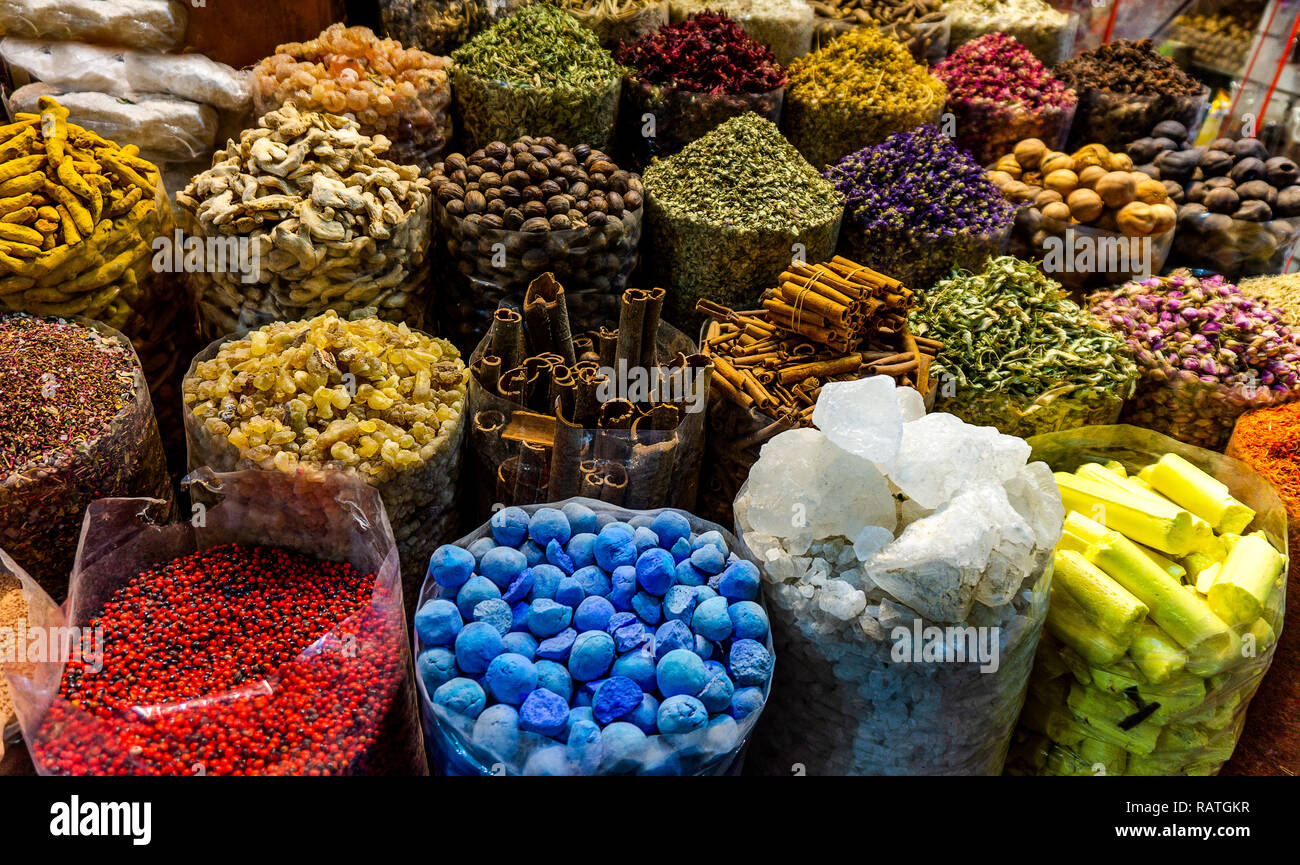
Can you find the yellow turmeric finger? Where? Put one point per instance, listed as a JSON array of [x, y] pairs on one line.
[[15, 284], [80, 216], [25, 183], [17, 202], [20, 233], [22, 217], [23, 165]]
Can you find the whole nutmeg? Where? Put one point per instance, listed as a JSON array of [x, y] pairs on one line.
[[1136, 219], [1189, 211], [1117, 188], [1173, 190], [1249, 148], [1165, 144], [1222, 200], [1257, 190], [1247, 169], [535, 224], [1143, 150], [1177, 164], [1196, 192], [1280, 171], [1215, 162], [1288, 202], [1029, 152], [1220, 183], [1253, 211], [1224, 144], [1085, 205], [1056, 217], [1171, 129], [1149, 170]]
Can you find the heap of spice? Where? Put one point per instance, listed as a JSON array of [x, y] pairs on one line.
[[538, 72], [999, 93], [1207, 351], [694, 75], [76, 425], [727, 211], [784, 26], [919, 207], [80, 215], [854, 93], [367, 395], [918, 24], [1219, 39], [248, 614], [1125, 88], [1047, 32], [401, 93], [616, 21], [508, 213], [1019, 354]]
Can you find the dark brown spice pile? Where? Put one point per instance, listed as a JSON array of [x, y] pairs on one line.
[[1123, 66], [63, 384]]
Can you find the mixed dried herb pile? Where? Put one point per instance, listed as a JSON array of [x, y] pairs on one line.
[[538, 46], [708, 53]]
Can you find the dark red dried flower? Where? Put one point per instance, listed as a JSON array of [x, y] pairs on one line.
[[706, 53]]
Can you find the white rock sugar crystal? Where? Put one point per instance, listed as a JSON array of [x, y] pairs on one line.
[[802, 481], [909, 523]]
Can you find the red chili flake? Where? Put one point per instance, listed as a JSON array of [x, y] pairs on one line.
[[706, 53], [236, 660]]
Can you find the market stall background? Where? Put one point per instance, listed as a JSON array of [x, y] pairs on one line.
[[445, 246]]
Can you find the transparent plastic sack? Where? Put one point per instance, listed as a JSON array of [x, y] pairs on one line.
[[491, 266], [163, 127], [439, 26], [488, 111], [357, 676], [681, 116], [826, 131], [613, 21], [1057, 408], [72, 66], [991, 129], [927, 40], [41, 507], [153, 25], [849, 702], [420, 503], [388, 277], [450, 736], [1235, 247], [1115, 119], [1082, 719], [657, 468], [27, 602], [1115, 258], [1050, 44], [919, 261]]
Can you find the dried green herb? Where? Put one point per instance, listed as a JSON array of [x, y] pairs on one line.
[[854, 93], [538, 72], [729, 212], [1019, 354]]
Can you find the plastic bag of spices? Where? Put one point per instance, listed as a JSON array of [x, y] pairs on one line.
[[1235, 247], [439, 26], [615, 21], [77, 424], [643, 451], [155, 25], [87, 250], [545, 705], [1161, 629], [908, 597], [370, 396], [543, 206], [21, 599], [301, 571], [927, 39]]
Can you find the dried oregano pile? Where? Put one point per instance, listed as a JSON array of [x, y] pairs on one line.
[[1019, 354], [538, 72], [726, 212]]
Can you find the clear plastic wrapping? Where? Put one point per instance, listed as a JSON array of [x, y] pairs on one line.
[[642, 468], [1115, 119], [1093, 257], [355, 680], [154, 25], [681, 116], [990, 129], [1135, 715], [500, 111], [893, 701], [711, 750], [927, 40], [439, 26], [71, 66], [489, 266], [613, 21], [1058, 408], [20, 598], [420, 502], [41, 507], [1050, 43], [1235, 247]]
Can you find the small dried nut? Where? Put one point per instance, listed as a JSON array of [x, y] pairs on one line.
[[1135, 219], [1085, 205], [1056, 217], [1150, 191], [1117, 188], [1062, 180], [1090, 175], [1029, 152]]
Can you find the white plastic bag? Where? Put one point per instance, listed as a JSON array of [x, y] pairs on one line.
[[154, 24]]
